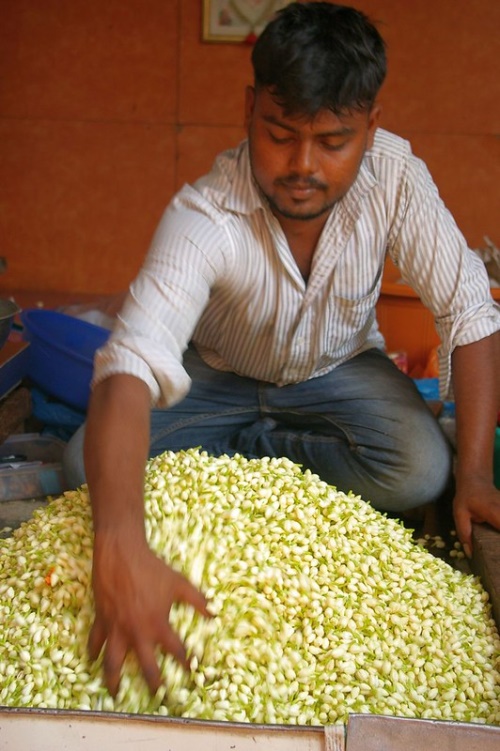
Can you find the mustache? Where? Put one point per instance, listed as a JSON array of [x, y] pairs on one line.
[[299, 181]]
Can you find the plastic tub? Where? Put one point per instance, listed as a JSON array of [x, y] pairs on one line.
[[62, 350], [31, 467]]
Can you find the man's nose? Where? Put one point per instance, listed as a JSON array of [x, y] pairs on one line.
[[303, 160]]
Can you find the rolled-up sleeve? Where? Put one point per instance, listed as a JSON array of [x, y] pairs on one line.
[[163, 306], [475, 323], [449, 277]]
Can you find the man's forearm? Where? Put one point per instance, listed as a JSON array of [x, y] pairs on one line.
[[476, 379], [116, 450]]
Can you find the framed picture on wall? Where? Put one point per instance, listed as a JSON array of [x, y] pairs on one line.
[[237, 20]]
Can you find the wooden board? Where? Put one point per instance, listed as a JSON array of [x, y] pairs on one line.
[[486, 563]]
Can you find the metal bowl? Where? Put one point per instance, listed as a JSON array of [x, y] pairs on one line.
[[8, 311]]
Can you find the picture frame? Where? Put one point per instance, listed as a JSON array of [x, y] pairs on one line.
[[237, 20]]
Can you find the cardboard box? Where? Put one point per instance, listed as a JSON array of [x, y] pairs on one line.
[[54, 730]]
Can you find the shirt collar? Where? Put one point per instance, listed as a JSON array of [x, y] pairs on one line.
[[244, 196]]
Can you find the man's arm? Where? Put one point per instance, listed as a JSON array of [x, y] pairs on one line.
[[133, 589], [476, 384]]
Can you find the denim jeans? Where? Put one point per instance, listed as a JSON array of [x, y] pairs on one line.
[[362, 427]]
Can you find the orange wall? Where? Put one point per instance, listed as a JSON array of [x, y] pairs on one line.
[[106, 108]]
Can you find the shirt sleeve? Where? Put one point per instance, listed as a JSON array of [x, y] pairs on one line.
[[434, 259], [164, 304]]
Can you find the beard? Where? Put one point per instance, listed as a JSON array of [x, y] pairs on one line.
[[302, 214], [300, 211]]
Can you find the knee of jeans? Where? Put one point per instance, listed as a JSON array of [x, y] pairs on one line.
[[422, 477], [73, 464]]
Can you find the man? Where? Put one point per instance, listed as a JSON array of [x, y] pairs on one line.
[[251, 327]]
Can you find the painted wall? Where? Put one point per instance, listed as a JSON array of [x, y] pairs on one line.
[[106, 108]]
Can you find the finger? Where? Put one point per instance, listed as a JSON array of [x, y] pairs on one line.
[[171, 643], [187, 593], [463, 524], [96, 639], [149, 665], [115, 652]]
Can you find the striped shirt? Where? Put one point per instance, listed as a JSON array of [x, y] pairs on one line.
[[220, 273]]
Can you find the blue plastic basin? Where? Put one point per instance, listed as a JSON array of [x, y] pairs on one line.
[[61, 357]]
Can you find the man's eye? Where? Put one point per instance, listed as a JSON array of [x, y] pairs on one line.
[[280, 139], [333, 146]]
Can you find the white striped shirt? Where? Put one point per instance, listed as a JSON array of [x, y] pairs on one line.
[[220, 273]]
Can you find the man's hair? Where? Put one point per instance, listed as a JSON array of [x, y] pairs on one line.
[[317, 55]]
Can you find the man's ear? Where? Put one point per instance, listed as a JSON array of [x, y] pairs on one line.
[[249, 104], [373, 121]]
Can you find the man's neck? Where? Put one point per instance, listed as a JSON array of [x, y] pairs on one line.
[[303, 237]]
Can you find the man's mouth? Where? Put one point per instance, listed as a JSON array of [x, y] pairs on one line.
[[300, 188]]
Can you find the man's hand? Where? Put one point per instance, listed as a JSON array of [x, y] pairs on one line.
[[477, 396], [477, 501], [134, 591]]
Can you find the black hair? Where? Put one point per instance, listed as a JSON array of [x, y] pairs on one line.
[[319, 55]]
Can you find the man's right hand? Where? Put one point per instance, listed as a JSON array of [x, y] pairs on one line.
[[134, 591]]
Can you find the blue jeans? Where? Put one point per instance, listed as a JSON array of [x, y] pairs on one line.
[[362, 427]]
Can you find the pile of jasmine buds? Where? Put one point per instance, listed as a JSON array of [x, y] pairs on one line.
[[323, 606]]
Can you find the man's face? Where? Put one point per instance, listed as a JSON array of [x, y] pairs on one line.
[[305, 165]]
